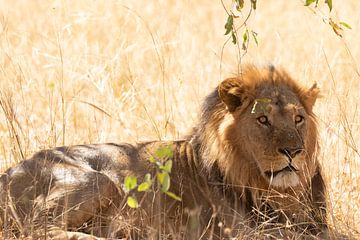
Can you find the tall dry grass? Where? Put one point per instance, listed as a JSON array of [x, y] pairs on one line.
[[81, 71]]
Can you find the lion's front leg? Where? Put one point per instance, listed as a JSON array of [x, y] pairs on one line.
[[318, 198], [61, 235]]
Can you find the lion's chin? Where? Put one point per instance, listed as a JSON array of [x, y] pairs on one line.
[[285, 179]]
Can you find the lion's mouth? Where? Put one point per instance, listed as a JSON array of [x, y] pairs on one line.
[[288, 168]]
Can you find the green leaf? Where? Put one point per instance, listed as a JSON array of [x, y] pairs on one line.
[[130, 182], [260, 100], [239, 4], [167, 167], [152, 159], [164, 152], [245, 39], [253, 109], [132, 202], [229, 24], [234, 39], [309, 2], [145, 186], [173, 195], [329, 3], [164, 180], [253, 4], [254, 34], [160, 177], [345, 25]]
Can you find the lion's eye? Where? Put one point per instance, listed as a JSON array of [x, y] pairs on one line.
[[299, 119], [263, 120]]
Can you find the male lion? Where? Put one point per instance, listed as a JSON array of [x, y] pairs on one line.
[[249, 164]]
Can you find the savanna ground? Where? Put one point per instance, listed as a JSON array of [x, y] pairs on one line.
[[74, 72]]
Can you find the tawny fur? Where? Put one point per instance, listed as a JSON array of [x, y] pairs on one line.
[[233, 173]]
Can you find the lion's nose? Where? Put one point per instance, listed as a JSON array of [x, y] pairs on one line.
[[290, 152]]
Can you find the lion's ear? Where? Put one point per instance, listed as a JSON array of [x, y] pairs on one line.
[[311, 95], [232, 93]]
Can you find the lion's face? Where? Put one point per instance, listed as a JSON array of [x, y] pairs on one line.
[[272, 126], [275, 124]]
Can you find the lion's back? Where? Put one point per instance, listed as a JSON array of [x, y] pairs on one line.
[[48, 174]]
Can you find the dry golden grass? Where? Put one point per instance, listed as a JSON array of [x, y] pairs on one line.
[[76, 72]]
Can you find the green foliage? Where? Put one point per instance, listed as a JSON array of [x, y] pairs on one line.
[[173, 195], [261, 100], [230, 27], [164, 153], [233, 37], [329, 3], [231, 30], [130, 182], [245, 39], [146, 185], [345, 25], [152, 159], [239, 4], [253, 4], [164, 181], [163, 166], [167, 166], [229, 24], [132, 202], [309, 2], [338, 26]]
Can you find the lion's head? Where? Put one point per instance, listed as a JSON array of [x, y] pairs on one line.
[[259, 129]]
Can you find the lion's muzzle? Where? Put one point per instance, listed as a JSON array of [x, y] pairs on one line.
[[288, 168]]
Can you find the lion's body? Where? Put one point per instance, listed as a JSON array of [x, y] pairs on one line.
[[67, 187], [234, 171]]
